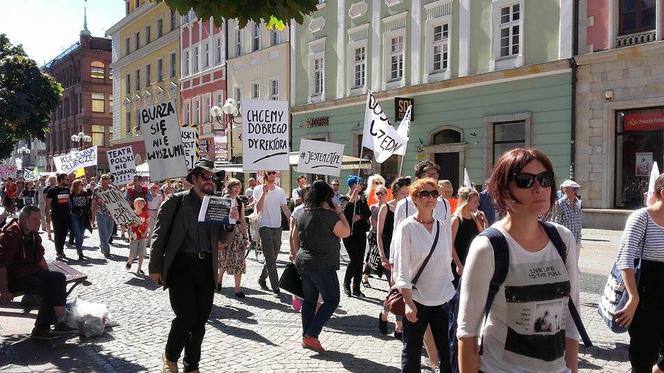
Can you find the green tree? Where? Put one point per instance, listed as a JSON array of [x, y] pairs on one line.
[[274, 12], [27, 97]]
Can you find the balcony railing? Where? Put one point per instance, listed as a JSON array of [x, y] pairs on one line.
[[635, 39]]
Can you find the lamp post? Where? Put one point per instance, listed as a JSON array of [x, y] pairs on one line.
[[229, 109], [23, 151], [81, 138]]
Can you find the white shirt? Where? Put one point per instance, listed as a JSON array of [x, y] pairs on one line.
[[249, 192], [271, 213], [154, 204], [530, 317], [412, 245], [297, 211]]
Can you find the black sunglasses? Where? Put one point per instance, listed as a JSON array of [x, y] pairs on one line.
[[427, 194], [526, 180], [271, 172], [208, 177]]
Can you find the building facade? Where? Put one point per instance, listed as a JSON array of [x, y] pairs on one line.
[[203, 77], [146, 44], [87, 100], [620, 106], [483, 76]]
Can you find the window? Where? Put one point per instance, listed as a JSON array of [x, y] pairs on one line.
[[255, 90], [98, 102], [187, 114], [148, 75], [207, 107], [97, 70], [440, 45], [256, 40], [238, 43], [185, 64], [138, 121], [359, 67], [110, 74], [137, 38], [74, 104], [197, 111], [218, 51], [396, 58], [136, 4], [238, 94], [173, 65], [509, 30], [147, 34], [206, 56], [508, 136], [160, 70], [138, 80], [172, 20], [128, 122], [110, 103], [127, 46], [160, 27], [319, 76], [274, 37], [219, 101], [98, 135], [195, 66], [274, 89], [636, 16]]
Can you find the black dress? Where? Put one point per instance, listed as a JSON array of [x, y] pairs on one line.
[[466, 232]]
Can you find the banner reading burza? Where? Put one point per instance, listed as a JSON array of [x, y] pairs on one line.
[[163, 141], [378, 134], [320, 157], [118, 207], [189, 142], [265, 135], [122, 165], [68, 163]]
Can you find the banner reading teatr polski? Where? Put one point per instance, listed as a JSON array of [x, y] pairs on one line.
[[163, 141], [68, 163], [121, 164], [265, 135], [378, 134]]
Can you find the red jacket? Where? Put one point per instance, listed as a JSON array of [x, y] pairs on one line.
[[20, 261]]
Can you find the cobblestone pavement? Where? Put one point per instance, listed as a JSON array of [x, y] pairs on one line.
[[260, 332]]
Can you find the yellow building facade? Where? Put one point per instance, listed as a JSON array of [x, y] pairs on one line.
[[146, 68]]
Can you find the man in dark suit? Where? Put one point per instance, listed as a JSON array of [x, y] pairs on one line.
[[184, 260]]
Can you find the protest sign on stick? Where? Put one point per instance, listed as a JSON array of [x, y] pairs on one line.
[[320, 157], [121, 164], [378, 134], [68, 163], [265, 135], [8, 171], [119, 208], [216, 210], [163, 141], [189, 137]]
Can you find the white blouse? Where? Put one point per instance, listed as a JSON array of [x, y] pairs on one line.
[[412, 243]]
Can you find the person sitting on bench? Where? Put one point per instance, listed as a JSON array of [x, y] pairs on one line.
[[23, 269]]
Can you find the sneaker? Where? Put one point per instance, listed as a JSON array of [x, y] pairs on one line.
[[358, 293], [63, 328], [60, 256], [140, 272], [44, 334], [107, 255], [263, 285], [276, 292], [312, 343]]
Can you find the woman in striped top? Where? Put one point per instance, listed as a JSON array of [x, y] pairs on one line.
[[645, 307]]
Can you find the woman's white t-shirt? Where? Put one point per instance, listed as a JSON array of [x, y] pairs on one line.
[[529, 319]]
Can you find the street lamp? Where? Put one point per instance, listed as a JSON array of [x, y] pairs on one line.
[[23, 151], [81, 138], [230, 109]]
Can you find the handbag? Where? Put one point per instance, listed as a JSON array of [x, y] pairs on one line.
[[394, 301], [615, 296], [290, 281]]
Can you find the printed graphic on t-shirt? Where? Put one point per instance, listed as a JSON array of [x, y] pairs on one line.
[[536, 296], [63, 198]]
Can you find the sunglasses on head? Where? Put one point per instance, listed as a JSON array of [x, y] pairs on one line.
[[526, 180], [427, 194]]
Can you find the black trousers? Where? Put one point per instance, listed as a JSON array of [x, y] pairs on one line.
[[437, 318], [191, 284], [48, 285], [647, 329], [355, 245], [60, 228]]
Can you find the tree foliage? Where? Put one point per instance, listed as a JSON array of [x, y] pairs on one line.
[[273, 12], [27, 97]]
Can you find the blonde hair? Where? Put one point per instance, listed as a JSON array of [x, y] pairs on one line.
[[381, 187], [139, 199], [419, 185], [374, 178], [465, 194], [445, 183]]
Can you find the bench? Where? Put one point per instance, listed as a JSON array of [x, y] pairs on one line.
[[72, 277]]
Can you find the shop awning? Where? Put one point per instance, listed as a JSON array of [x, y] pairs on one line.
[[348, 163]]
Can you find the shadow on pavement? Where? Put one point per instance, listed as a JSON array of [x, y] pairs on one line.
[[357, 325], [232, 313], [240, 332], [143, 282], [619, 353], [353, 363]]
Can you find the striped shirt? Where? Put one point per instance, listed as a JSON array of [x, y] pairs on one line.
[[632, 240], [568, 216]]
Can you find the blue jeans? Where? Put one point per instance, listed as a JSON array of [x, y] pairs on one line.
[[78, 227], [325, 283], [105, 227], [453, 307]]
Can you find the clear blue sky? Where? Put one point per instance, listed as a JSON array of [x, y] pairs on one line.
[[47, 27]]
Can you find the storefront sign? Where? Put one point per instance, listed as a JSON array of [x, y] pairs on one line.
[[647, 120], [316, 122], [401, 106]]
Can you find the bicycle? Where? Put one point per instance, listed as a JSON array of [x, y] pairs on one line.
[[254, 244]]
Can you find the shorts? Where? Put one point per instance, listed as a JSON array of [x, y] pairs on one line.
[[137, 248]]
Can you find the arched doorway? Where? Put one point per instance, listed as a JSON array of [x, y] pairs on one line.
[[447, 150]]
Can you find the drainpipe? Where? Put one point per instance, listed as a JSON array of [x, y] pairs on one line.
[[574, 67]]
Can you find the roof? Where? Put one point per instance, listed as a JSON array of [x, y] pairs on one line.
[[64, 54]]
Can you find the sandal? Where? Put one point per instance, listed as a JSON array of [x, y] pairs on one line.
[[366, 284]]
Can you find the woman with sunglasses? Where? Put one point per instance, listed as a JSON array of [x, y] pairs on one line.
[[528, 327], [417, 238], [374, 182], [381, 196], [384, 230]]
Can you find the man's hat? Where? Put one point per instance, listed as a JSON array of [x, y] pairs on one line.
[[204, 164], [570, 184]]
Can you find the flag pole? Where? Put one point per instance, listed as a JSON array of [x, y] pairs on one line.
[[359, 168], [401, 164]]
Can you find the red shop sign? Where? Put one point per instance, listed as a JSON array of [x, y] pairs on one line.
[[643, 120]]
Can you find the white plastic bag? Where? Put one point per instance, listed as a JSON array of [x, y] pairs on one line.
[[90, 318]]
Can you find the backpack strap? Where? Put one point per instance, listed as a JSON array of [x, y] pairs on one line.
[[501, 260], [554, 236]]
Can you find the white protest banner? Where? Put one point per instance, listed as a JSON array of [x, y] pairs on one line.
[[216, 210], [119, 208], [265, 135], [163, 141], [378, 134], [320, 157], [189, 142], [68, 163], [7, 171], [29, 174], [404, 130], [121, 164]]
